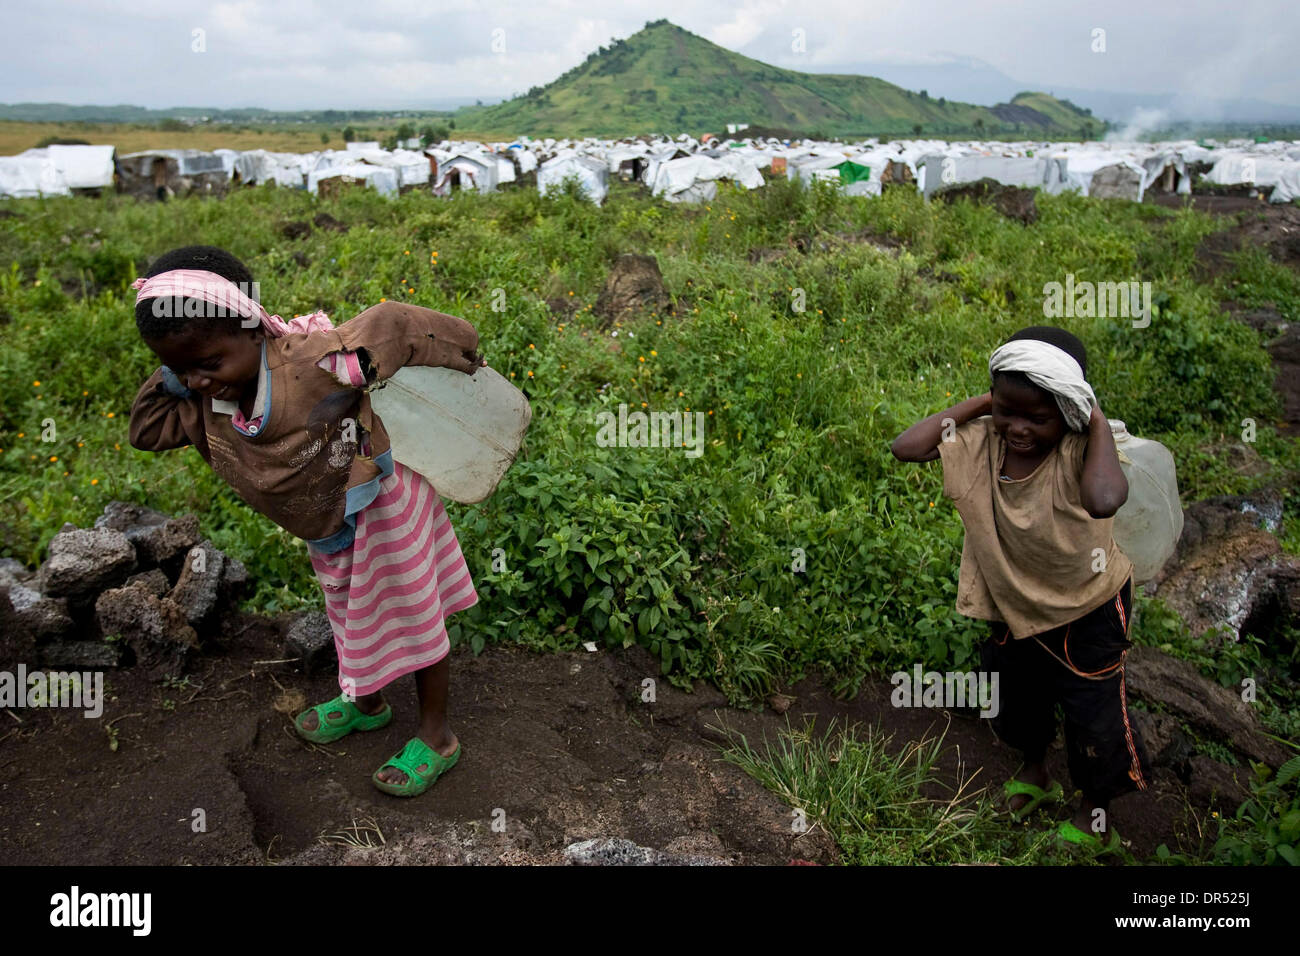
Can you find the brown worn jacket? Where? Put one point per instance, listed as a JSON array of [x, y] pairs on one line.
[[303, 469]]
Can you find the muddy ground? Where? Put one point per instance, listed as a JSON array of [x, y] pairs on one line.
[[561, 744]]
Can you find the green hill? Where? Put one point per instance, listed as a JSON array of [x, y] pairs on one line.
[[664, 79]]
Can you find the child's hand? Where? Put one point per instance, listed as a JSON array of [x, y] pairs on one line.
[[921, 441], [468, 361]]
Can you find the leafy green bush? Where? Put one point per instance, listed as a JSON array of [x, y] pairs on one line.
[[1266, 828]]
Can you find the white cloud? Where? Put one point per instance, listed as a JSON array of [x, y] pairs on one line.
[[746, 24], [380, 51]]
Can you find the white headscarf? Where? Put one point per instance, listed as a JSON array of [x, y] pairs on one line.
[[1051, 368]]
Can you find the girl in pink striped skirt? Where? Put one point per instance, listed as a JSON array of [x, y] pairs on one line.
[[387, 597], [246, 389]]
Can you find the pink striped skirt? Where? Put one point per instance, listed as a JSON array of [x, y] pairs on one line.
[[388, 595]]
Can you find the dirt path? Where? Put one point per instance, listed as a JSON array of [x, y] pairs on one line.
[[562, 745]]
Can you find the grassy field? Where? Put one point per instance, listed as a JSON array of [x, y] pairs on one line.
[[691, 558]]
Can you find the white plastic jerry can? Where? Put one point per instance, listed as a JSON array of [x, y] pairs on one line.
[[1147, 528], [461, 432]]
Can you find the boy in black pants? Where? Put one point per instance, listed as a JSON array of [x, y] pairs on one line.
[[1032, 469]]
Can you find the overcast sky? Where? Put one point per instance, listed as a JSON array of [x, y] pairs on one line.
[[315, 54]]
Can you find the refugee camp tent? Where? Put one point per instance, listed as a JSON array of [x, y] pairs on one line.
[[1047, 174], [1103, 173], [887, 164], [228, 157], [1165, 169], [628, 162], [172, 172], [657, 156], [382, 179], [30, 177], [83, 167], [257, 166], [505, 168], [524, 157], [466, 171], [695, 178], [592, 175], [1240, 168], [760, 159], [412, 168], [855, 177], [741, 170]]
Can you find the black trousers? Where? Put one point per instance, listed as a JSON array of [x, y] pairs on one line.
[[1079, 666]]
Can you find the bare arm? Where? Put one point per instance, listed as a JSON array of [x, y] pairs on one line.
[[921, 441], [1103, 488]]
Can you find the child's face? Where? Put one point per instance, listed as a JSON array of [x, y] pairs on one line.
[[1027, 417], [218, 366]]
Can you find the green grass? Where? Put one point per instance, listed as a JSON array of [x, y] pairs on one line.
[[887, 804], [690, 558]]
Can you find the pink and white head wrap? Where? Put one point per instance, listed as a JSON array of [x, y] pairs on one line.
[[209, 287]]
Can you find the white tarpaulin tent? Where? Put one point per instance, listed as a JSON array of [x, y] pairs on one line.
[[657, 157], [284, 169], [1260, 170], [526, 157], [467, 170], [189, 162], [695, 178], [592, 175], [1110, 174], [1035, 171], [228, 157], [83, 167], [810, 169], [1154, 165], [505, 168], [381, 179], [30, 177], [412, 167], [741, 170]]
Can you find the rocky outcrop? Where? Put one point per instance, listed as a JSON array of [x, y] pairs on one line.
[[139, 588], [309, 638], [1178, 689], [1228, 574]]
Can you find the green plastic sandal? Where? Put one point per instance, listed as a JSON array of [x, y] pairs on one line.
[[1068, 832], [329, 729], [414, 754], [1037, 796]]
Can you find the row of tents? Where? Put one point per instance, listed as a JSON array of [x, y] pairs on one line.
[[678, 170]]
